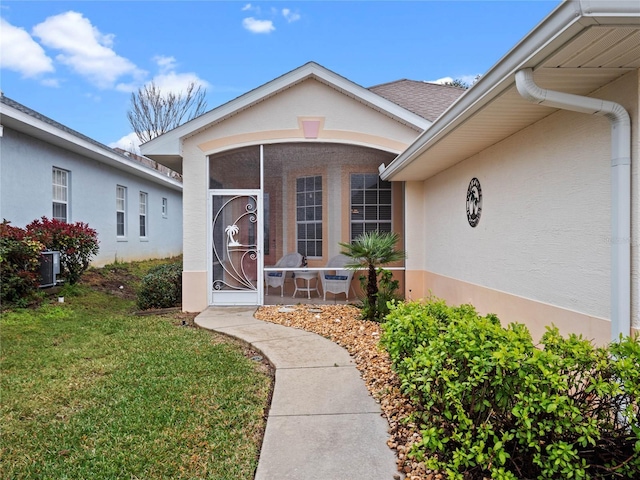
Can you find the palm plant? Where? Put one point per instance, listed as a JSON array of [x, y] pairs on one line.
[[371, 250]]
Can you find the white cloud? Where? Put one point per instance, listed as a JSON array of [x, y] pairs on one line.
[[258, 26], [85, 49], [442, 81], [177, 82], [165, 64], [130, 143], [168, 80], [466, 79], [21, 53], [248, 6], [290, 16]]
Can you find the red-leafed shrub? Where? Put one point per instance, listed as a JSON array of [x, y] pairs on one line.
[[19, 263], [76, 242]]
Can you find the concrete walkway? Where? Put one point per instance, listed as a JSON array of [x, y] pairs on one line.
[[322, 424]]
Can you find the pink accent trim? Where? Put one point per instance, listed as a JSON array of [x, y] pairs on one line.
[[311, 128]]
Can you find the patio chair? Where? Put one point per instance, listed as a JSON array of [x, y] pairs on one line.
[[340, 281], [276, 279]]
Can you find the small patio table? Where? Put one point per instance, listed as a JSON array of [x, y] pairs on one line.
[[306, 276]]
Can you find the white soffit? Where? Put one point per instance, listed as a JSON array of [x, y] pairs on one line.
[[580, 58]]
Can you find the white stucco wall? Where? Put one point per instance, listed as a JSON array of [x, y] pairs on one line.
[[545, 232], [26, 194]]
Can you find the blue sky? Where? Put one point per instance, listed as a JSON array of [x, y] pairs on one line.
[[78, 61]]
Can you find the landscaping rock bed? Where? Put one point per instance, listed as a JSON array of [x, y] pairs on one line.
[[342, 324]]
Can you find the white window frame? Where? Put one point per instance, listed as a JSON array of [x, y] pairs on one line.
[[121, 210], [306, 207], [165, 207], [142, 214], [60, 193], [359, 216]]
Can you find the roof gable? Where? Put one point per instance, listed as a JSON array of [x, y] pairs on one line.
[[167, 147]]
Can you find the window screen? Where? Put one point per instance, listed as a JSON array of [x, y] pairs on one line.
[[370, 204], [309, 215], [143, 214], [60, 194], [121, 210]]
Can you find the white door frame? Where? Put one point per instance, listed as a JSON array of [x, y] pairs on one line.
[[248, 296]]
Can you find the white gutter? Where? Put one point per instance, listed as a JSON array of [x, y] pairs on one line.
[[620, 187]]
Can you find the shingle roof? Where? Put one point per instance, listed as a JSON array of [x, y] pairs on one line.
[[429, 100]]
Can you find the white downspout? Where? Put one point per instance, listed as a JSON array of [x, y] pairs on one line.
[[620, 187]]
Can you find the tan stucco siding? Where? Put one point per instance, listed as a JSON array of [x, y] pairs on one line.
[[540, 194], [544, 234], [194, 201], [513, 308]]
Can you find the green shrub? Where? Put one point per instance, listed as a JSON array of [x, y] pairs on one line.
[[76, 242], [492, 404], [161, 287], [19, 264]]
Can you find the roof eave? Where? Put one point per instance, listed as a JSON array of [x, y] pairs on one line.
[[562, 24], [27, 124]]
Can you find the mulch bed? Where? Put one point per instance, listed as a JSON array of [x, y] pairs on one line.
[[342, 324]]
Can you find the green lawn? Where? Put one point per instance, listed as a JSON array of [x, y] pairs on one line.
[[89, 390]]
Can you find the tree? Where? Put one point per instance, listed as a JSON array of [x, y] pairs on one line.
[[458, 82], [371, 250], [153, 112]]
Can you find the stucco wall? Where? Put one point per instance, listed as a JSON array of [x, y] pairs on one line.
[[277, 120], [544, 234], [26, 194]]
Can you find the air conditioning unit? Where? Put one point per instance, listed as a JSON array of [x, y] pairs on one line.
[[49, 268]]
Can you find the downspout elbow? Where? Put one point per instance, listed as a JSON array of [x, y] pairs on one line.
[[620, 186], [531, 92]]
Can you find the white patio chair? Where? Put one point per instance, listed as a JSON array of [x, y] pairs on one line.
[[276, 279], [338, 281]]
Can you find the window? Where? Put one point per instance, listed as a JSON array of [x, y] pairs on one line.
[[309, 215], [60, 194], [165, 207], [370, 204], [121, 210], [143, 214]]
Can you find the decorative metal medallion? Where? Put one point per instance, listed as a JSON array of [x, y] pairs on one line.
[[474, 202]]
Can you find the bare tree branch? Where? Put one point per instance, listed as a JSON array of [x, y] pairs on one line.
[[153, 113]]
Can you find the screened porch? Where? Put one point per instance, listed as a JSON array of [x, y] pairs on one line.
[[300, 198]]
